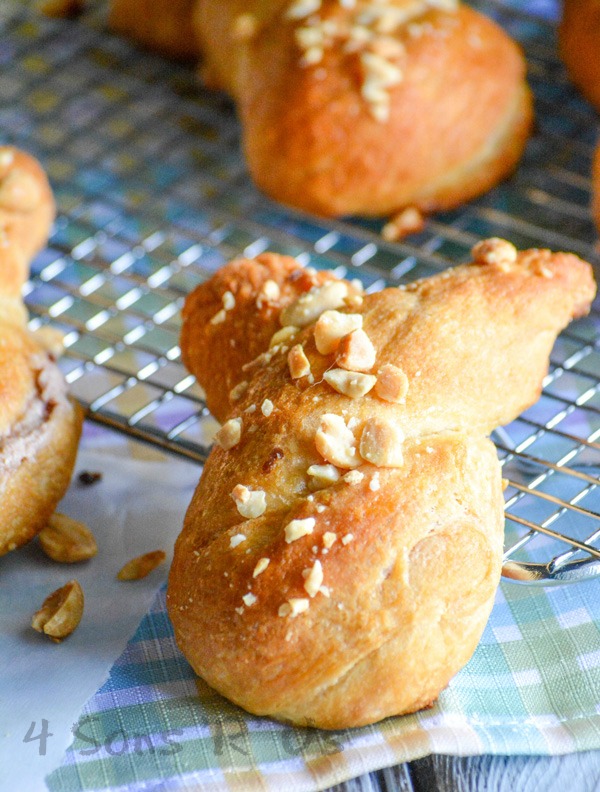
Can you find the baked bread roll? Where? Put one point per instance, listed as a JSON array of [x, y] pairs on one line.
[[579, 41], [365, 107], [369, 107], [164, 26], [39, 425], [341, 553]]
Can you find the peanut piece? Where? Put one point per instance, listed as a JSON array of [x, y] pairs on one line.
[[392, 384], [356, 352], [230, 434], [61, 612], [336, 442], [331, 327], [67, 541], [350, 383], [141, 566], [381, 443], [298, 363], [309, 306]]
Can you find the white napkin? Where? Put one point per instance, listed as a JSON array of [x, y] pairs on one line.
[[137, 506]]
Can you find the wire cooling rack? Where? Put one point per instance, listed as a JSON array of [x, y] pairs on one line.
[[153, 196]]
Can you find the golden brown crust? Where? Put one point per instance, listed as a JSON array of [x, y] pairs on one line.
[[39, 426], [164, 26], [26, 205], [596, 188], [579, 40], [408, 544], [364, 108], [457, 123], [251, 321]]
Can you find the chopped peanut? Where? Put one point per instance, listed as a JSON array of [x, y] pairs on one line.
[[331, 327], [260, 567], [381, 443], [230, 434], [238, 390], [336, 442], [356, 352], [323, 475], [307, 308], [298, 363], [66, 540], [249, 503], [313, 579], [392, 384], [350, 383], [141, 566], [283, 335], [294, 606], [61, 612], [298, 528], [494, 251]]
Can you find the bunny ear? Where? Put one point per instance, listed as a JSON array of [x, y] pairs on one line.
[[26, 202], [235, 317], [346, 534]]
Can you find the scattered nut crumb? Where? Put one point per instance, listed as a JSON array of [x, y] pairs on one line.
[[392, 384], [230, 434], [332, 326], [295, 529], [356, 352], [328, 539], [266, 407], [228, 301], [381, 443], [494, 251], [219, 317], [350, 383], [285, 334], [307, 308], [61, 612], [250, 503], [408, 221], [141, 566], [236, 540], [249, 599], [347, 538], [260, 567], [294, 606], [353, 477], [374, 484], [298, 363], [323, 475], [313, 579], [238, 391], [66, 540], [336, 442]]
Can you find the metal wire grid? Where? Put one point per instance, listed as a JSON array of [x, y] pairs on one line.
[[153, 196]]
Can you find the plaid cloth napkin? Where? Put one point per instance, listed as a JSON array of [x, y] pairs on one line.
[[532, 687]]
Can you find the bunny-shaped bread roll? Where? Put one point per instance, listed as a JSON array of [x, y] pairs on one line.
[[340, 556], [356, 106], [39, 426]]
